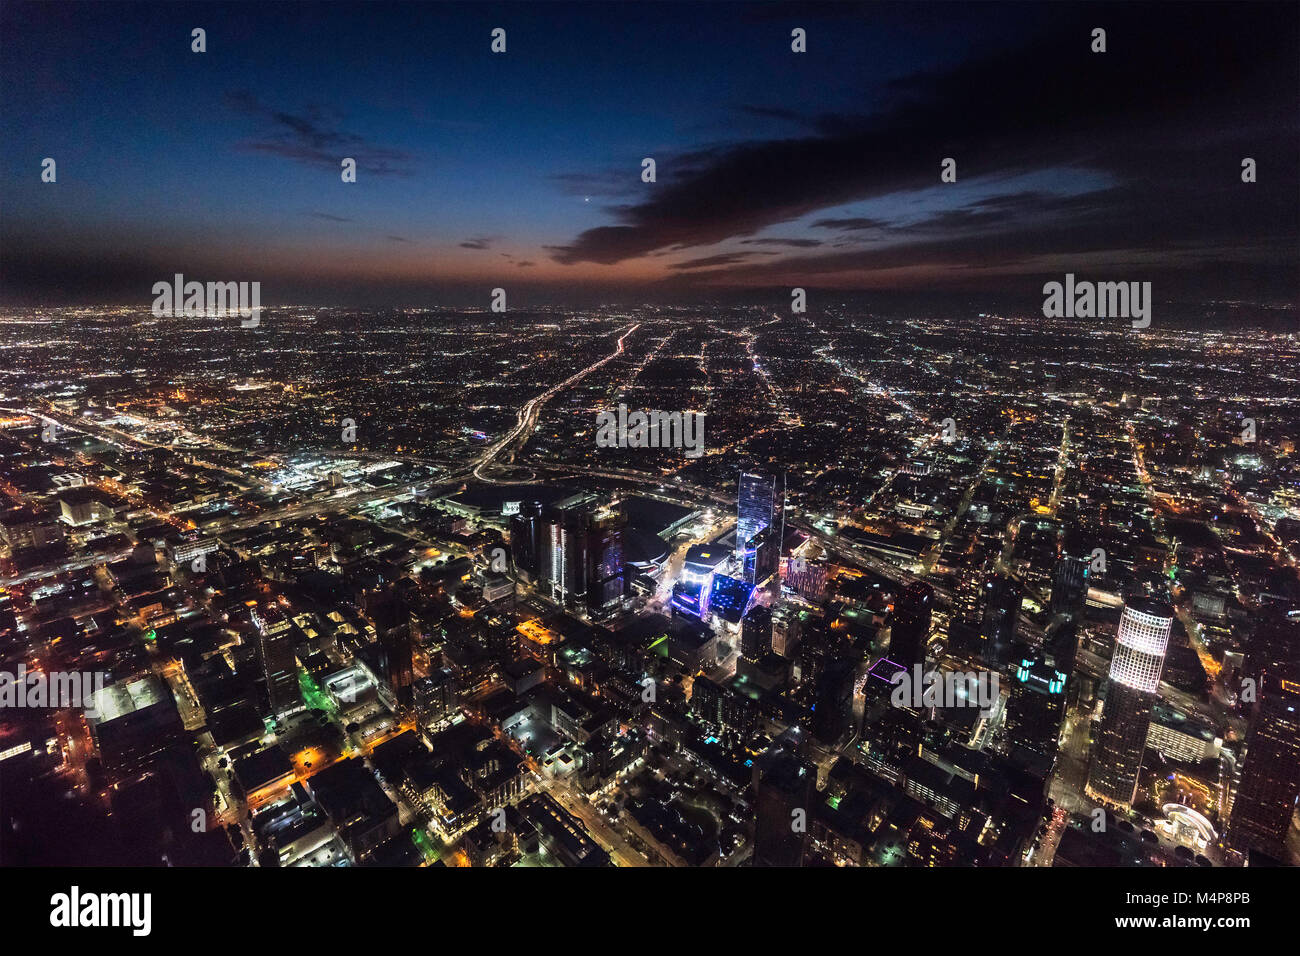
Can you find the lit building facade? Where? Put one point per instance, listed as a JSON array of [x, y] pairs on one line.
[[758, 506], [1135, 668]]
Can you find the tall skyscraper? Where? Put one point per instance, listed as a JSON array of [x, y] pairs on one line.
[[390, 614], [279, 664], [1069, 586], [783, 793], [910, 627], [1036, 705], [785, 630], [760, 504], [967, 605], [969, 596], [833, 700], [761, 557], [1061, 646], [1001, 599], [1270, 776], [606, 575], [526, 540], [1274, 646], [1135, 670], [568, 553], [756, 633], [586, 554]]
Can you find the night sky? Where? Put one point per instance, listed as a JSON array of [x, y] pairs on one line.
[[523, 169]]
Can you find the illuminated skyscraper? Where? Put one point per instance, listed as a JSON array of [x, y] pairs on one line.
[[1036, 706], [1270, 778], [527, 541], [605, 550], [280, 665], [759, 504], [1134, 677], [786, 626], [586, 567], [761, 556]]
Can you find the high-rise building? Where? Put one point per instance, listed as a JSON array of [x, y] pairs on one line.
[[833, 698], [526, 540], [434, 695], [1036, 706], [969, 595], [606, 575], [279, 664], [586, 567], [568, 554], [806, 578], [1135, 670], [1000, 608], [1061, 645], [783, 793], [8, 620], [390, 614], [132, 722], [785, 630], [910, 626], [1069, 586], [760, 504], [762, 555], [1274, 646], [1270, 775], [756, 633], [723, 707]]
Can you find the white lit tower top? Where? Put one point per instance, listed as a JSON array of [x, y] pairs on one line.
[[1126, 718], [1140, 645]]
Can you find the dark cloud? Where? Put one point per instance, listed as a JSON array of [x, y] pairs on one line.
[[850, 224], [1166, 114], [725, 259], [1087, 238], [329, 216], [313, 137], [789, 243]]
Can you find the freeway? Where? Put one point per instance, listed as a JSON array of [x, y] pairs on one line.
[[107, 433], [526, 418], [80, 564]]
